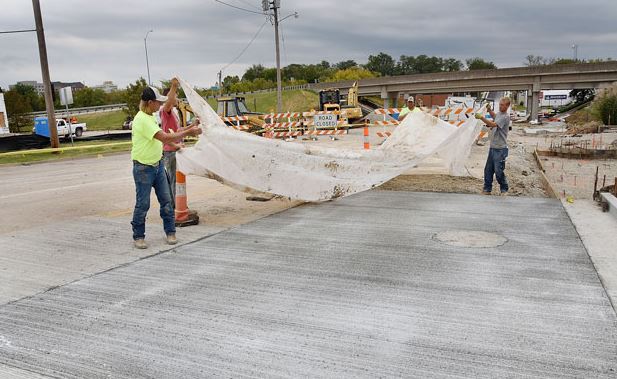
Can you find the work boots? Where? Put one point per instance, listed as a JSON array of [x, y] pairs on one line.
[[171, 239], [141, 244]]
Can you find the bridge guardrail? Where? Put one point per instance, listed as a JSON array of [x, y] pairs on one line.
[[82, 110]]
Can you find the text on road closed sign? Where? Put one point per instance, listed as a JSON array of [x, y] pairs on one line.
[[325, 120]]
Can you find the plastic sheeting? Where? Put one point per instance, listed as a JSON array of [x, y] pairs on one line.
[[311, 172]]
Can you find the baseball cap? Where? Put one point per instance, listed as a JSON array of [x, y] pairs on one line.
[[410, 98], [151, 93]]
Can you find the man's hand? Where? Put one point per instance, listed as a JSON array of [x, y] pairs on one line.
[[488, 107], [194, 123], [175, 82], [193, 131]]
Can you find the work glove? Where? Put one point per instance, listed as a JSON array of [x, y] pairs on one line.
[[478, 116]]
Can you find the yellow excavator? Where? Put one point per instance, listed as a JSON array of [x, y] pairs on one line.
[[330, 100], [236, 106], [227, 107]]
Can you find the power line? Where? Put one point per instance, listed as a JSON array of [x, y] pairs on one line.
[[236, 7], [18, 31], [250, 5], [247, 46]]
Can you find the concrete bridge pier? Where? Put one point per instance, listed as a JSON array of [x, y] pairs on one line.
[[533, 99], [389, 98]]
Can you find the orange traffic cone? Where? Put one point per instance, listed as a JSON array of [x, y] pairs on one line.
[[184, 217], [367, 144]]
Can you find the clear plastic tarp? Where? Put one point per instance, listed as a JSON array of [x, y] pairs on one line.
[[310, 172]]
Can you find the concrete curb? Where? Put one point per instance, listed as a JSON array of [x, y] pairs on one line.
[[550, 191], [612, 203]]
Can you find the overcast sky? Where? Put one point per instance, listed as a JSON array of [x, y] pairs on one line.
[[92, 41]]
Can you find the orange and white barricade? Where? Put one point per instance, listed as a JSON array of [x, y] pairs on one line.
[[276, 123], [234, 122], [386, 112], [452, 114]]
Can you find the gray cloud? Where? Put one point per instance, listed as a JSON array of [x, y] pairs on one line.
[[92, 41]]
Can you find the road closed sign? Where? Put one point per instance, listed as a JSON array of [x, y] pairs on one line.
[[325, 121]]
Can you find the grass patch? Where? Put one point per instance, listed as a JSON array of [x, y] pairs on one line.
[[81, 149], [103, 121], [66, 151]]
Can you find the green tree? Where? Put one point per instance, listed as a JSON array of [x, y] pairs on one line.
[[381, 63], [254, 72], [425, 64], [115, 97], [535, 60], [132, 96], [478, 63], [37, 102], [451, 65], [228, 81], [17, 108], [344, 65], [582, 95], [353, 73], [566, 61], [89, 97], [406, 65], [605, 106]]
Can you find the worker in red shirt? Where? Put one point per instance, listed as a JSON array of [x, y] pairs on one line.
[[170, 124]]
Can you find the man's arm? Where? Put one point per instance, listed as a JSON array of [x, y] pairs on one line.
[[489, 123], [169, 138], [171, 96]]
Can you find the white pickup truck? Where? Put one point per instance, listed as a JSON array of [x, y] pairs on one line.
[[65, 128]]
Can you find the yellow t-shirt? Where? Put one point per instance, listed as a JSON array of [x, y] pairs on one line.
[[146, 149], [406, 110]]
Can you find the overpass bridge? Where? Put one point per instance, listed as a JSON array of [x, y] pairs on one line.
[[530, 79]]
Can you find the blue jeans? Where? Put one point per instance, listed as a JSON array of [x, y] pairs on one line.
[[169, 161], [145, 178], [495, 165]]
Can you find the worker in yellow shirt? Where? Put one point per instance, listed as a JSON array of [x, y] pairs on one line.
[[410, 108], [148, 168]]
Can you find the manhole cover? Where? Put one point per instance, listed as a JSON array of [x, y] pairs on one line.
[[470, 238]]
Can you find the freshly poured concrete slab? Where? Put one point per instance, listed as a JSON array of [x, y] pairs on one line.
[[380, 284]]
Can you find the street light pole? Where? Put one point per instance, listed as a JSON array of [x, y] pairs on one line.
[[575, 48], [49, 102], [146, 47]]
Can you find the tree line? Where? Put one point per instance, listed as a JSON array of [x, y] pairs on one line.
[[258, 77]]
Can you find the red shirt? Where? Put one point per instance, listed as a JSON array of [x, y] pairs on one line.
[[169, 123]]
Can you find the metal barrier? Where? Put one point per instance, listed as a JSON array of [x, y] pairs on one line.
[[83, 110]]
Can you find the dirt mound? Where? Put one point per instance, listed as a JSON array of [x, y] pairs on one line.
[[586, 128], [434, 183]]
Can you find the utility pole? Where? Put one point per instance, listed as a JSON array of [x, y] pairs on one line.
[[220, 82], [147, 63], [49, 102], [575, 48], [279, 95]]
